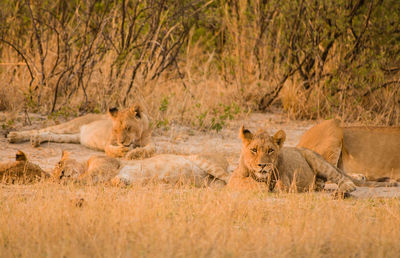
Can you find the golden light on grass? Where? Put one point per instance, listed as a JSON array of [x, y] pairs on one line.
[[49, 220]]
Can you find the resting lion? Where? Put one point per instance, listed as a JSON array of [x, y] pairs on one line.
[[371, 151], [198, 170], [21, 170], [265, 163], [123, 133]]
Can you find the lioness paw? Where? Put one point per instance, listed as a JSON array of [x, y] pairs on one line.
[[118, 182], [136, 154], [339, 195], [120, 151], [346, 187], [12, 137], [123, 150], [35, 141]]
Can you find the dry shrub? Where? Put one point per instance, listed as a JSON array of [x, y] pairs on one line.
[[12, 73], [380, 107], [202, 62], [59, 221], [201, 99]]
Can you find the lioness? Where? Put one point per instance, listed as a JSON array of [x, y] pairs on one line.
[[199, 170], [21, 170], [123, 133], [264, 162], [371, 151]]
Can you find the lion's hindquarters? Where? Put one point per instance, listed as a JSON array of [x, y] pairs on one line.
[[374, 152]]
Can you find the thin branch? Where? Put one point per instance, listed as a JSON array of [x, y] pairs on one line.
[[23, 57], [385, 85]]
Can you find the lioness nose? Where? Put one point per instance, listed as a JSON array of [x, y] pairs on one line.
[[262, 165]]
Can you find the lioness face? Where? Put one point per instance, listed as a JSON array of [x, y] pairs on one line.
[[260, 152], [127, 127], [67, 168]]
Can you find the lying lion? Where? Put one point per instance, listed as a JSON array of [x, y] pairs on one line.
[[21, 170], [120, 134], [265, 163], [371, 151], [198, 170]]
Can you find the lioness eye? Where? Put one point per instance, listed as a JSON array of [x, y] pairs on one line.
[[270, 151], [254, 150]]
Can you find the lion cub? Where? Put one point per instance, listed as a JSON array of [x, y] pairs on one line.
[[198, 170], [124, 133], [265, 163], [21, 170]]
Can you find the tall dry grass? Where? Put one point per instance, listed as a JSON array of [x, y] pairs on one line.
[[320, 59], [202, 99], [44, 220]]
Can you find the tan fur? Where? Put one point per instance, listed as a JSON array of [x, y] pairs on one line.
[[198, 170], [123, 133], [266, 164], [21, 170], [371, 151], [97, 169]]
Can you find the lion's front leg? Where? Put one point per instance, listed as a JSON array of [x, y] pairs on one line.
[[116, 151], [324, 169], [141, 152], [283, 185], [41, 137], [23, 136], [237, 182]]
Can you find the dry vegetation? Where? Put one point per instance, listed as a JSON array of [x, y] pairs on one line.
[[47, 220], [201, 63]]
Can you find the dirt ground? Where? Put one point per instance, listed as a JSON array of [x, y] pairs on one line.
[[175, 139]]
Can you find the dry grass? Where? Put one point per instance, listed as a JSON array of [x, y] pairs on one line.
[[222, 73], [43, 220]]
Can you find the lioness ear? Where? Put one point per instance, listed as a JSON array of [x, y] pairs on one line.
[[20, 156], [113, 112], [245, 134], [279, 138], [136, 110], [65, 155]]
